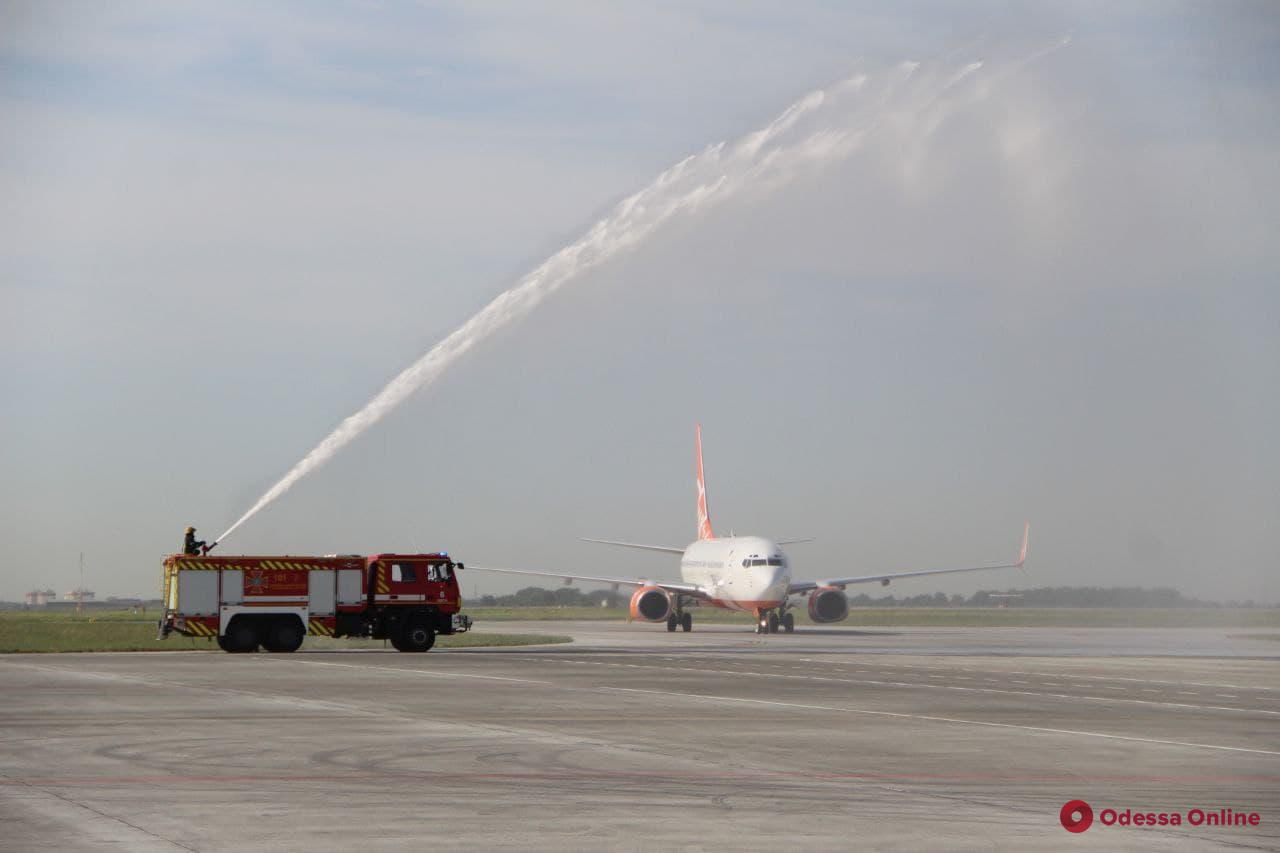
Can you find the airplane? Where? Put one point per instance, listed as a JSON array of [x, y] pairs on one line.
[[744, 573]]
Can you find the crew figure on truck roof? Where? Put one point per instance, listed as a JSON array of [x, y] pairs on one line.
[[192, 546]]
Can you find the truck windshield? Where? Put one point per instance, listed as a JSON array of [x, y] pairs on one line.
[[439, 572]]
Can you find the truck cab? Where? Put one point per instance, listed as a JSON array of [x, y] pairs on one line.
[[413, 597], [414, 578]]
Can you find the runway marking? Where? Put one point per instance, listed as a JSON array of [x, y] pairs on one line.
[[952, 720], [412, 671], [152, 681], [805, 677], [295, 702], [1087, 677], [1083, 677], [927, 686], [1159, 681], [44, 789], [382, 713]]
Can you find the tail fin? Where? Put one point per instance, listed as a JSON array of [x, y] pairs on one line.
[[1022, 554], [704, 518]]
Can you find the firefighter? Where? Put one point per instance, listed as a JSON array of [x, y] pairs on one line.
[[192, 546]]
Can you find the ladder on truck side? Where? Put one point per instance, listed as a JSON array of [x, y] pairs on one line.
[[168, 583]]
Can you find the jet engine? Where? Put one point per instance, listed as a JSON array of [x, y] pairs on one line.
[[828, 604], [652, 604]]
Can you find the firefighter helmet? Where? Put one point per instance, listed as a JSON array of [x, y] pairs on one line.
[[190, 529]]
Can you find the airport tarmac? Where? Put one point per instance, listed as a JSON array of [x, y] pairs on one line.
[[921, 739]]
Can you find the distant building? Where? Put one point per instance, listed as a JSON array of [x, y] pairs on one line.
[[78, 595], [40, 597]]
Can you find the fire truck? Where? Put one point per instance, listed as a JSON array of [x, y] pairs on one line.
[[274, 602]]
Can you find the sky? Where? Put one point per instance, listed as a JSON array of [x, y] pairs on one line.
[[1047, 292]]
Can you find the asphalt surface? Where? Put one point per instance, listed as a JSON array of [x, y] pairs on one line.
[[921, 739]]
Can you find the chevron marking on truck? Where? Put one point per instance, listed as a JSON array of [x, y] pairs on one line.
[[319, 628]]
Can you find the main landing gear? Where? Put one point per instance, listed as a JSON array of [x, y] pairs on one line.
[[769, 621], [680, 619]]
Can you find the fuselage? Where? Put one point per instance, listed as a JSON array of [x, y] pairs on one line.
[[747, 573]]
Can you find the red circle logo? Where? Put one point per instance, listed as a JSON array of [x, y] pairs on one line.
[[1076, 816]]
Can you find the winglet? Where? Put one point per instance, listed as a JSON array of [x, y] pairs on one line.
[[1022, 554], [704, 517]]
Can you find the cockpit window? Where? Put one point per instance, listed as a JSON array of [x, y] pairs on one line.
[[776, 561]]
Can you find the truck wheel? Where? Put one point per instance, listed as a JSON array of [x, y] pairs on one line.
[[284, 635], [416, 636], [241, 637]]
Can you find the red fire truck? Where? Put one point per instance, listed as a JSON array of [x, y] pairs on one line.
[[274, 602]]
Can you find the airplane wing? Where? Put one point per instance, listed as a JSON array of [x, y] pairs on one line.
[[689, 589], [808, 586], [666, 549]]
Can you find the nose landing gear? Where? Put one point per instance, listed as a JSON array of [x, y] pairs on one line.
[[769, 621]]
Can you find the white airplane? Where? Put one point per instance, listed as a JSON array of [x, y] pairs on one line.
[[746, 573]]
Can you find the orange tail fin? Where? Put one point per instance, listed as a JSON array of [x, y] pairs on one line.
[[704, 518]]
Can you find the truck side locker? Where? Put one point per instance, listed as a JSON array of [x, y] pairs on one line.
[[349, 586], [197, 592], [232, 587], [321, 591]]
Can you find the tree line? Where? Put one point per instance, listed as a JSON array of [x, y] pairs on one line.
[[1047, 596]]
